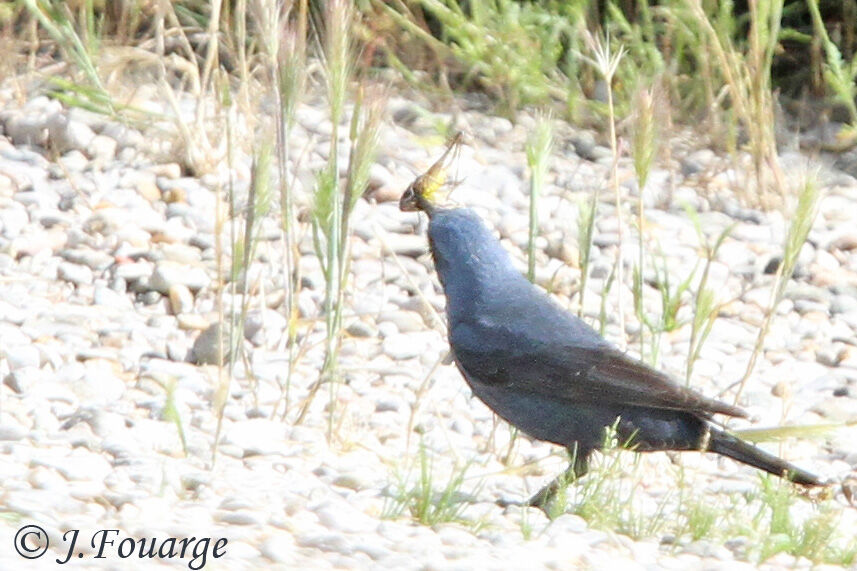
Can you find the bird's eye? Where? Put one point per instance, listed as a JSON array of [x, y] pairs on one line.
[[408, 201]]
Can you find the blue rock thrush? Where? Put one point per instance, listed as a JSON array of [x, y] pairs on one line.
[[548, 373]]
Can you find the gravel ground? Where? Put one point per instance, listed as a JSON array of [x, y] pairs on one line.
[[108, 291]]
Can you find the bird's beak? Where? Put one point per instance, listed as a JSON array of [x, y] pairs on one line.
[[422, 194]]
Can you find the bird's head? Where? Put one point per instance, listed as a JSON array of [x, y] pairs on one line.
[[426, 193]]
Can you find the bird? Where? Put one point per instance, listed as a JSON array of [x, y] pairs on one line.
[[547, 372]]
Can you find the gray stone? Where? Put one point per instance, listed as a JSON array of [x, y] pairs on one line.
[[181, 299], [181, 253], [28, 130], [205, 348], [168, 274], [133, 271], [697, 162], [78, 465], [360, 329], [264, 327], [32, 244], [102, 148], [341, 516], [93, 259], [100, 383], [258, 436], [68, 135], [279, 548], [18, 356], [326, 542], [125, 136], [74, 273], [584, 145], [409, 245], [400, 347], [23, 379], [240, 518], [844, 303], [12, 432], [108, 297], [307, 305], [405, 321]]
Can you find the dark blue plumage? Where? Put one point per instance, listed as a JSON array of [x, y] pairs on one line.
[[551, 375], [544, 370]]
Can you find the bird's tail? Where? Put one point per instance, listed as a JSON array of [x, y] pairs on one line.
[[724, 443]]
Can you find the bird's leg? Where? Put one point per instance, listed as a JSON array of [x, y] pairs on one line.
[[544, 498]]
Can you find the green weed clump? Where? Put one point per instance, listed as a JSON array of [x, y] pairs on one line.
[[773, 517], [539, 148], [421, 498]]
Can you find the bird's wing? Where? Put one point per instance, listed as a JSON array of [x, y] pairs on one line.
[[636, 382], [592, 374]]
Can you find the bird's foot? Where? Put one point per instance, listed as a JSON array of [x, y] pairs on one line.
[[544, 499], [551, 498], [506, 503]]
